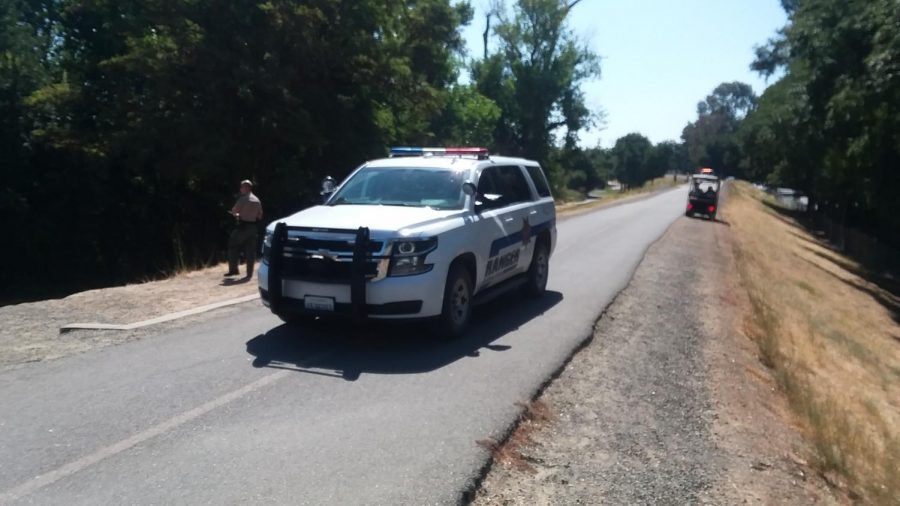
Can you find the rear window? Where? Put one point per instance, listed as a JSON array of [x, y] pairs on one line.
[[540, 182]]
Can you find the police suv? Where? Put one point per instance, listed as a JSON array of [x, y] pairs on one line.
[[428, 232]]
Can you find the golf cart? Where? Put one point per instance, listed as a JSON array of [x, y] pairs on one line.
[[704, 194]]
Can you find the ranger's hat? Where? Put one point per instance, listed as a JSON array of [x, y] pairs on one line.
[[246, 182]]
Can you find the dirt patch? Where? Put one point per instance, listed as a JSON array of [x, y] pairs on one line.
[[667, 404], [29, 332]]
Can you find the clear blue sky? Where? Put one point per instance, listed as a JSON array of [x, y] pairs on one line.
[[660, 57]]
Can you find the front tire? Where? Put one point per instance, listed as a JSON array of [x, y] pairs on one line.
[[538, 271], [457, 308]]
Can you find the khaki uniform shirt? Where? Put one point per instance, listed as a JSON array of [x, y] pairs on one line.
[[248, 208]]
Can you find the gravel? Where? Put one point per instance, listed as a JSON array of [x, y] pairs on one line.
[[635, 418], [30, 332]]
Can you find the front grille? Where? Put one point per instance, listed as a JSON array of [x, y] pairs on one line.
[[323, 270], [327, 257], [332, 246]]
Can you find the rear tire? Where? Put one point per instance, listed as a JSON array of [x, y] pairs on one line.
[[457, 307], [538, 271]]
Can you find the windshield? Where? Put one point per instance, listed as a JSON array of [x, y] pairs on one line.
[[705, 185], [406, 186]]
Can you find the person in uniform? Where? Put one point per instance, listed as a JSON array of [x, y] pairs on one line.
[[249, 213]]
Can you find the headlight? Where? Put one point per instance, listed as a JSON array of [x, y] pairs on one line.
[[267, 245], [408, 256]]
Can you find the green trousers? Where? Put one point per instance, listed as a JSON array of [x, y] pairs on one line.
[[243, 239]]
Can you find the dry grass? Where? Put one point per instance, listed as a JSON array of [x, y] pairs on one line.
[[601, 198], [829, 335]]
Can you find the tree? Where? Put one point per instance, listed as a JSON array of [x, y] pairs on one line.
[[27, 63], [835, 117], [468, 119], [631, 154], [665, 157], [711, 140], [535, 78], [776, 139], [600, 168], [733, 100], [158, 108], [578, 169]]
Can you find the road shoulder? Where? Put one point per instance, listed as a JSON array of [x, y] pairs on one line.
[[31, 332], [666, 404]]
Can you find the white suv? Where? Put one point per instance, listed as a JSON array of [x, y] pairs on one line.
[[425, 233]]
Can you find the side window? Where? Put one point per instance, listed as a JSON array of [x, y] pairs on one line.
[[488, 195], [515, 185], [502, 186], [540, 182]]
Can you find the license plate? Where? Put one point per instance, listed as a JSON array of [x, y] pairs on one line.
[[318, 303]]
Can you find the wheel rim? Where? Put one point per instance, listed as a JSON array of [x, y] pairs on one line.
[[460, 302]]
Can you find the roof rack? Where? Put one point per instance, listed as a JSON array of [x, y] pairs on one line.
[[481, 153]]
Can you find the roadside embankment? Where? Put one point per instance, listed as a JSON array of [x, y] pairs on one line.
[[831, 332]]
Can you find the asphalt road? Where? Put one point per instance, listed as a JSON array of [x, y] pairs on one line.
[[243, 409]]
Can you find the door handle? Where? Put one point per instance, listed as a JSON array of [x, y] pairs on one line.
[[533, 212], [508, 220]]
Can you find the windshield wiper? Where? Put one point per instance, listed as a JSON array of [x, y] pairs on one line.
[[344, 202], [402, 204]]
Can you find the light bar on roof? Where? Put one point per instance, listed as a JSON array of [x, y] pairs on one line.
[[466, 151], [406, 151], [419, 151]]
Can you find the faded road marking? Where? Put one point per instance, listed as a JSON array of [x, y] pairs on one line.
[[73, 467]]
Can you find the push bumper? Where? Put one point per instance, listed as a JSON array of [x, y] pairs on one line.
[[419, 296], [416, 296]]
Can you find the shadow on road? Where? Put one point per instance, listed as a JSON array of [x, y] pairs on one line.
[[341, 349]]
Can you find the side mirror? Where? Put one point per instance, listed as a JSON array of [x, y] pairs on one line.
[[328, 186], [471, 190]]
